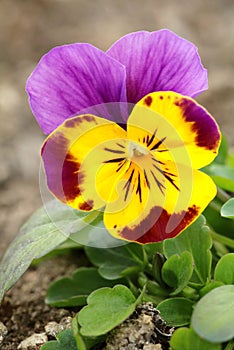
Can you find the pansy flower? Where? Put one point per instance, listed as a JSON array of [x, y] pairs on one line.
[[143, 176], [71, 78]]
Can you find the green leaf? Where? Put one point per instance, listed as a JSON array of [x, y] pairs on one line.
[[176, 311], [196, 240], [65, 341], [187, 339], [154, 288], [73, 291], [230, 159], [117, 262], [38, 237], [222, 225], [157, 264], [106, 309], [210, 286], [152, 248], [213, 315], [223, 176], [96, 235], [84, 343], [54, 212], [224, 270], [227, 209], [177, 271]]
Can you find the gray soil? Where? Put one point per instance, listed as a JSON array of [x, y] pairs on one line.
[[28, 29]]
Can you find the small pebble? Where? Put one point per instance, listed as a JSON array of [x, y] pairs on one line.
[[33, 341], [53, 328], [66, 322], [3, 332], [152, 347], [144, 329]]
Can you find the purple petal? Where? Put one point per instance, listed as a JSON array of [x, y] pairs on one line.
[[159, 61], [71, 78]]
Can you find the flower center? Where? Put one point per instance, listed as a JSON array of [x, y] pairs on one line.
[[136, 150]]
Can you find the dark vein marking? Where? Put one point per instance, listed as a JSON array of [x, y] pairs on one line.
[[158, 143], [116, 160], [147, 180], [159, 184], [114, 150], [171, 181], [138, 190], [160, 170], [170, 174], [167, 175], [157, 161], [121, 165], [119, 144], [127, 185], [152, 138]]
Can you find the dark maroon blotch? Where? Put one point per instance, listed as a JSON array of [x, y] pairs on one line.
[[204, 126], [70, 179], [86, 205], [89, 118], [155, 231], [148, 101], [70, 123]]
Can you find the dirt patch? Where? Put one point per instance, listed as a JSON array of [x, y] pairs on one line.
[[24, 311]]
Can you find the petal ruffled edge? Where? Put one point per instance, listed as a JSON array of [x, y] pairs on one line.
[[71, 78], [159, 61]]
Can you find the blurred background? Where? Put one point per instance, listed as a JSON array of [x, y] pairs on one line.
[[29, 28]]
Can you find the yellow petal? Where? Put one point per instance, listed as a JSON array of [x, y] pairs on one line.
[[75, 152], [173, 222], [136, 192], [163, 214], [176, 127]]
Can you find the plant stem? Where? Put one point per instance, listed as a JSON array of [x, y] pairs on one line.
[[222, 239], [216, 206], [222, 195], [230, 346], [134, 256], [148, 270], [78, 339]]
